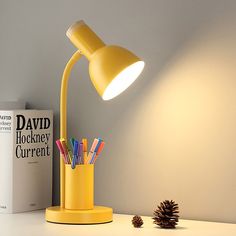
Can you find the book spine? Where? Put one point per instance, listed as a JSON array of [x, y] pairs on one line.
[[6, 161]]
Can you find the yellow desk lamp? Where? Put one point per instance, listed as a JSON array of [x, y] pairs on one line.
[[112, 69]]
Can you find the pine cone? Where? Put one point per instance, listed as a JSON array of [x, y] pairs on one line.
[[137, 221], [166, 215]]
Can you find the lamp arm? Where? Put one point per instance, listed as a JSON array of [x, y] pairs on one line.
[[63, 118]]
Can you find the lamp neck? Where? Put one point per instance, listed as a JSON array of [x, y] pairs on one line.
[[63, 118]]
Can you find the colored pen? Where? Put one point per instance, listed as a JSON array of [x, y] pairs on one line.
[[85, 149], [93, 158], [92, 149], [98, 144], [58, 142], [72, 140], [100, 147], [75, 154], [95, 150], [99, 151], [67, 151], [80, 153]]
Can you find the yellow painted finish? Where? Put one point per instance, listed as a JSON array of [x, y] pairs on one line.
[[58, 214], [84, 38], [106, 63], [98, 214], [63, 118], [79, 186]]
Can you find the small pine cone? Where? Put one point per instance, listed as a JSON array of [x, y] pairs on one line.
[[166, 215], [137, 221]]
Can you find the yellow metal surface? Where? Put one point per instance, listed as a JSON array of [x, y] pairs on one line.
[[63, 118], [106, 63], [58, 214], [79, 186], [84, 38], [98, 214]]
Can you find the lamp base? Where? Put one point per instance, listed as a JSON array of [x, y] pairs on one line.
[[97, 215]]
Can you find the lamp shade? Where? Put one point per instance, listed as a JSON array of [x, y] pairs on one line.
[[112, 69]]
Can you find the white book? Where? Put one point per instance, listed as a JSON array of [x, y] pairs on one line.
[[25, 160]]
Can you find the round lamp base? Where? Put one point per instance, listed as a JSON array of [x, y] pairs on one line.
[[97, 215]]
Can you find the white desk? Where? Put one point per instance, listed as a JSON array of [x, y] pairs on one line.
[[33, 224]]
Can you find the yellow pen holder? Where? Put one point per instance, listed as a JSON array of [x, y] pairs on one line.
[[79, 199], [79, 187]]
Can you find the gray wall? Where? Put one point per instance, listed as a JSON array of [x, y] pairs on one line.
[[172, 134]]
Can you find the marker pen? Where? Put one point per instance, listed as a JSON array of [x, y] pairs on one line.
[[59, 145], [92, 149], [80, 153], [99, 151], [67, 151], [75, 154], [85, 149]]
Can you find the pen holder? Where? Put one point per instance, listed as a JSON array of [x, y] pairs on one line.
[[79, 187]]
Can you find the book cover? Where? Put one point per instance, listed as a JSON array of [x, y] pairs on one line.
[[25, 160]]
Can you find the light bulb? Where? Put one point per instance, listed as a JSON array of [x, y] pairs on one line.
[[123, 80]]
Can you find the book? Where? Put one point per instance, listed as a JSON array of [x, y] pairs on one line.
[[25, 160]]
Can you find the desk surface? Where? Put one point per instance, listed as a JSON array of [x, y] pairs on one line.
[[33, 224]]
